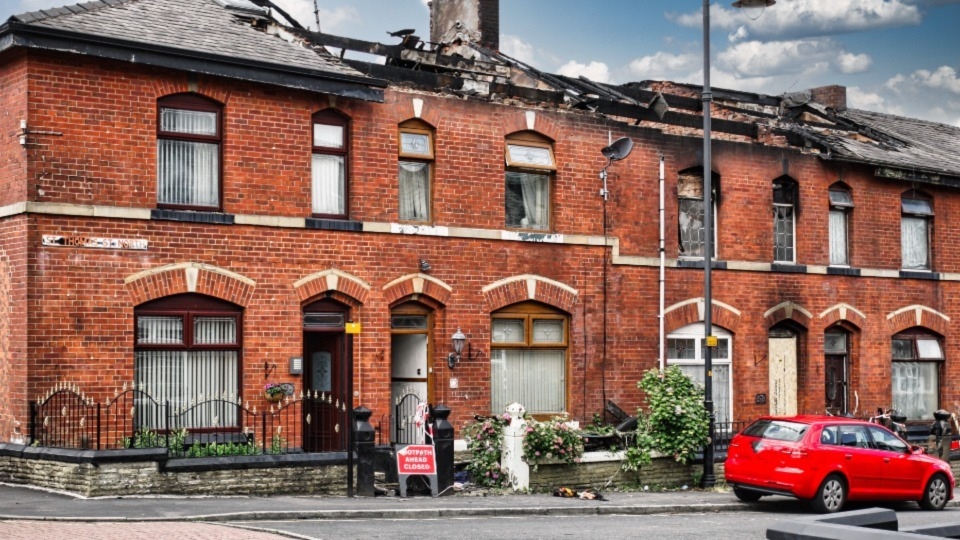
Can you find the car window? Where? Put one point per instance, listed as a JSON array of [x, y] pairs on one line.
[[830, 435], [779, 430], [855, 436], [885, 440]]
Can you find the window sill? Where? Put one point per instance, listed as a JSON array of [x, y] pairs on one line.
[[699, 263], [919, 274], [192, 216], [326, 224], [842, 271], [789, 268]]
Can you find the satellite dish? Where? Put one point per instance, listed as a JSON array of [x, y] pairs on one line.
[[619, 149]]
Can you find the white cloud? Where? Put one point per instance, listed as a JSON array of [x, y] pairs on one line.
[[331, 21], [517, 48], [595, 71], [853, 63], [662, 65], [756, 58], [944, 78], [860, 99], [806, 18]]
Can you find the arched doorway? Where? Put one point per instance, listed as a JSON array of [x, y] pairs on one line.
[[327, 371]]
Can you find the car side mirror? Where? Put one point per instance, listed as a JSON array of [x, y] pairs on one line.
[[917, 450]]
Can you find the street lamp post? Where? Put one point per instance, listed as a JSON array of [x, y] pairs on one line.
[[709, 480]]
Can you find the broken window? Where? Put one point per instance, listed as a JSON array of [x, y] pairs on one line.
[[690, 216], [188, 152], [329, 167], [915, 224], [917, 357], [415, 170], [530, 166], [841, 203], [785, 203]]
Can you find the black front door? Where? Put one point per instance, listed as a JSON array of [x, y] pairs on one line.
[[324, 429], [835, 381]]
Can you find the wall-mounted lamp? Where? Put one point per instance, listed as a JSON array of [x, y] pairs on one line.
[[458, 340], [425, 266]]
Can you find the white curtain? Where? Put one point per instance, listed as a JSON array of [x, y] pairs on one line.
[[534, 199], [188, 172], [328, 184], [913, 239], [915, 388], [186, 378], [721, 387], [414, 191], [838, 237], [536, 379]]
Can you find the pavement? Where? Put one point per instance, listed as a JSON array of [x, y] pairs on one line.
[[27, 512]]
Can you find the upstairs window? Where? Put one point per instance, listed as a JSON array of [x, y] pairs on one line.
[[841, 203], [189, 136], [329, 167], [786, 200], [691, 231], [415, 171], [530, 165], [915, 224]]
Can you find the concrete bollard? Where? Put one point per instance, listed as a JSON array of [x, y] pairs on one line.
[[512, 461], [366, 453], [443, 445]]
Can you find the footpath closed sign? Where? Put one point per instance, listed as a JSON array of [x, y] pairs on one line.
[[417, 459]]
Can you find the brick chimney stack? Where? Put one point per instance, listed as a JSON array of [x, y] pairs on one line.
[[479, 22], [834, 96]]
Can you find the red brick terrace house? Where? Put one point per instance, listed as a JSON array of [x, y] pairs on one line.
[[198, 198]]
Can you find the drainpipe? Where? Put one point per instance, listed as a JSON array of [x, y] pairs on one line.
[[662, 265]]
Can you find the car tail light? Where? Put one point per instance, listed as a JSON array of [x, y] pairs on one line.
[[954, 445]]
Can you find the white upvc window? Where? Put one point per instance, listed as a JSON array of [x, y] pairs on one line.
[[415, 171], [685, 349], [530, 166], [917, 361]]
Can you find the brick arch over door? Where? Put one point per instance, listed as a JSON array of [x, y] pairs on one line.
[[529, 287], [417, 287], [917, 315], [787, 311], [843, 313], [190, 277], [692, 311], [341, 285]]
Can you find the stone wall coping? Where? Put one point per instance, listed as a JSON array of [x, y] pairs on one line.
[[67, 455], [263, 461]]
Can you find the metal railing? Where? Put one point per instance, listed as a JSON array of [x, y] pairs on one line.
[[66, 418]]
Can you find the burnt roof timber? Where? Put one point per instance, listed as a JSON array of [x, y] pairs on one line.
[[674, 118], [359, 45], [673, 100]]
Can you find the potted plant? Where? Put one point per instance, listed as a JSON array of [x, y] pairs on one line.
[[274, 392]]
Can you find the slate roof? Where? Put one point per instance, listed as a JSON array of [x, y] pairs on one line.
[[898, 142], [192, 29]]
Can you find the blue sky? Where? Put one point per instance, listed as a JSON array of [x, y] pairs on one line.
[[894, 56]]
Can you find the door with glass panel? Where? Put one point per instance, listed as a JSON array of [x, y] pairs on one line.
[[835, 370], [410, 372], [325, 377], [685, 349]]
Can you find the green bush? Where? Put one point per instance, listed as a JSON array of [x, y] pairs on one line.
[[552, 440], [485, 442], [676, 423]]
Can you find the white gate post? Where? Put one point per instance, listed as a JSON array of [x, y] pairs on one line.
[[515, 467]]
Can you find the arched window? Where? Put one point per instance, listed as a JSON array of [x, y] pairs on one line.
[[330, 164], [917, 360], [187, 350], [528, 359], [188, 152], [916, 221], [841, 205], [415, 170], [530, 168], [786, 206]]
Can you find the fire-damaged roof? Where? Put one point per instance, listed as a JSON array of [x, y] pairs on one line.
[[231, 38], [246, 39]]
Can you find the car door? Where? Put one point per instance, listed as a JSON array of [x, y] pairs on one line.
[[862, 464], [902, 474]]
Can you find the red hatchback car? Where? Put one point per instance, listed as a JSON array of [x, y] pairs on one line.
[[829, 460]]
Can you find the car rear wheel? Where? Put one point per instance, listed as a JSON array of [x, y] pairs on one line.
[[935, 494], [831, 496], [747, 495]]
